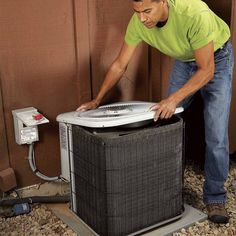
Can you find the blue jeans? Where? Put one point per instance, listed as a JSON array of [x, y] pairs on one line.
[[216, 95]]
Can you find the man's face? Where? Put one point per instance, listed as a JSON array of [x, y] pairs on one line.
[[150, 12]]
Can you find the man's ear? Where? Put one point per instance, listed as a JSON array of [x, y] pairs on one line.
[[164, 2]]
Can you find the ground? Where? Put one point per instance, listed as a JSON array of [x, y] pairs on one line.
[[41, 220]]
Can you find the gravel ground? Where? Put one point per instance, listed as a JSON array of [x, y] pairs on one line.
[[41, 220], [193, 196]]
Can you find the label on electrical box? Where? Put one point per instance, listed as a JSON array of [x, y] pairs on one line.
[[28, 134]]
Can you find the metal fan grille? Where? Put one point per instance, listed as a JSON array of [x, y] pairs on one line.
[[115, 111]]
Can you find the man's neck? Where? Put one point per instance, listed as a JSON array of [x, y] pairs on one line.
[[165, 16], [161, 24]]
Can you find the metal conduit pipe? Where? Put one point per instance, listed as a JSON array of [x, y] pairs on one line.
[[33, 167]]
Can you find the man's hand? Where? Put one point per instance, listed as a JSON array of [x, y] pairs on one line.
[[88, 105], [164, 109]]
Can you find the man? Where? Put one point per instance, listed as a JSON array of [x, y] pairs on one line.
[[199, 41]]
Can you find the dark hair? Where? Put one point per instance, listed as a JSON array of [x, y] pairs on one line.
[[142, 0]]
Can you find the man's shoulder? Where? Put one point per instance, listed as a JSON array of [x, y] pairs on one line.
[[188, 8], [134, 19]]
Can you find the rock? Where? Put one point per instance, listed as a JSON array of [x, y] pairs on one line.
[[43, 222]]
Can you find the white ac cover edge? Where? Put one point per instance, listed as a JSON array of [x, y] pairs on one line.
[[139, 111]]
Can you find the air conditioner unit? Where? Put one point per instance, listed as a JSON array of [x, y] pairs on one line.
[[125, 170]]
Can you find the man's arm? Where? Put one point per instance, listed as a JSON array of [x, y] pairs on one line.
[[112, 77], [206, 66]]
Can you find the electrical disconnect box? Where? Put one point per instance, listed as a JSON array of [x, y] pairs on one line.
[[26, 123]]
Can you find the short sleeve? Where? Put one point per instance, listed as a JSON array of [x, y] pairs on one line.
[[201, 30], [132, 36]]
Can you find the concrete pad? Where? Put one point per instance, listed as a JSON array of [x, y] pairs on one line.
[[46, 189], [190, 216], [62, 211]]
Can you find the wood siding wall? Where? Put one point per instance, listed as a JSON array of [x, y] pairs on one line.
[[4, 157], [38, 68], [54, 55]]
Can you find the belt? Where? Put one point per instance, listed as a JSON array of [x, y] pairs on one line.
[[221, 47]]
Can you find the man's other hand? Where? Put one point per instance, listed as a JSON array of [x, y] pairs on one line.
[[164, 109]]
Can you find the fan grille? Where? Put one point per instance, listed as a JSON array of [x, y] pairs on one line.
[[115, 111]]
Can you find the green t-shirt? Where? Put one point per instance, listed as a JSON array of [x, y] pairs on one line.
[[190, 25]]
